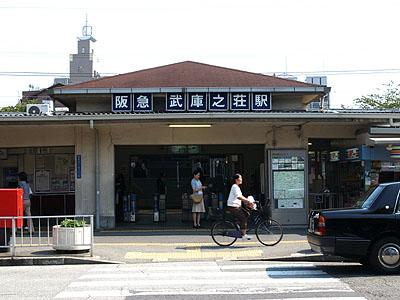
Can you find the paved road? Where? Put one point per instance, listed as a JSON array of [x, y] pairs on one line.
[[364, 281], [189, 245], [175, 280]]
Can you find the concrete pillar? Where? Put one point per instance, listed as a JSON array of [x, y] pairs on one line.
[[107, 184], [85, 186]]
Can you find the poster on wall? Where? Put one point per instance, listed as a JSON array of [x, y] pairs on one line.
[[60, 183], [42, 180], [61, 164]]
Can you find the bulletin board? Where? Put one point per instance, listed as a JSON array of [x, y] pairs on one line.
[[53, 173]]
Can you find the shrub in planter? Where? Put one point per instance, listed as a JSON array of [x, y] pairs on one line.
[[72, 235], [73, 223]]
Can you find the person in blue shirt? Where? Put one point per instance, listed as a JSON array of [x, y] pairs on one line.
[[23, 183], [197, 208]]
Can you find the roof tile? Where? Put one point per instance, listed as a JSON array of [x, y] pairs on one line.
[[188, 74]]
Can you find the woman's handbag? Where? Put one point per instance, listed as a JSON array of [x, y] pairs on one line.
[[196, 198]]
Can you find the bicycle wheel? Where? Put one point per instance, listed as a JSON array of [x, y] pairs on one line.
[[269, 232], [224, 233]]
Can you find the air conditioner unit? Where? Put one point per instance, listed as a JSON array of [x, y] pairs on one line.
[[38, 109]]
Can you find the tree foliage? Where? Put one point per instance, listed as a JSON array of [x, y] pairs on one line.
[[19, 107], [386, 98]]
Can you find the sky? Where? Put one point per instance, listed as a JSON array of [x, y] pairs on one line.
[[354, 43]]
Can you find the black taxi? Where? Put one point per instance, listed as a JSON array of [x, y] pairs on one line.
[[368, 232]]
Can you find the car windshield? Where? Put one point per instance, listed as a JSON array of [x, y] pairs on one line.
[[369, 197]]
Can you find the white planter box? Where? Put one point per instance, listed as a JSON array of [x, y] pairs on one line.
[[72, 238]]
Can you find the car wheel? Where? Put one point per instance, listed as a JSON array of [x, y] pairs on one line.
[[385, 255]]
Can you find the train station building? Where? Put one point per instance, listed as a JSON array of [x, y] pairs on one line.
[[124, 134]]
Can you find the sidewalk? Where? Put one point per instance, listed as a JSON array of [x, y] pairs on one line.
[[152, 245]]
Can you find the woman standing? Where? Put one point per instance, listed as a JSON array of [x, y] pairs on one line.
[[23, 183], [197, 208]]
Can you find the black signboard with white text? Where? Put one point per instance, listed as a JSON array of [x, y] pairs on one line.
[[218, 102], [261, 101], [240, 101], [175, 102], [121, 103], [142, 102], [194, 102], [197, 102]]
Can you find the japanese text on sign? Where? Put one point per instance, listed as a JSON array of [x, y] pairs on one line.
[[194, 102]]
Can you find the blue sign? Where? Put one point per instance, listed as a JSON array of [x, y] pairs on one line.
[[142, 102], [78, 166], [197, 102], [261, 101], [240, 101], [121, 103], [175, 102], [218, 102]]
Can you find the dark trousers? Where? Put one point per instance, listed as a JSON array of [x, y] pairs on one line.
[[240, 215]]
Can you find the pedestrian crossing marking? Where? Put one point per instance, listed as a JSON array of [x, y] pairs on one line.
[[273, 280], [193, 254]]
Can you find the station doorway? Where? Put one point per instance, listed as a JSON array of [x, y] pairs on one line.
[[152, 179]]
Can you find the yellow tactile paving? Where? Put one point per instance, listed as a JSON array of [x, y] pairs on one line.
[[192, 254], [197, 244]]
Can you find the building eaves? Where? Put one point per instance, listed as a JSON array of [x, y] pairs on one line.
[[248, 116]]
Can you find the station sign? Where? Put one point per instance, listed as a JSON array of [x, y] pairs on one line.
[[194, 102], [218, 102], [175, 102], [197, 102], [121, 103], [261, 101], [143, 102]]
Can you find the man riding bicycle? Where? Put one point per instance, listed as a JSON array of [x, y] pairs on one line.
[[234, 204]]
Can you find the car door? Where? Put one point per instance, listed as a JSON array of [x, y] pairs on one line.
[[382, 214], [397, 210]]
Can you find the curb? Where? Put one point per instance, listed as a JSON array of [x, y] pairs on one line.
[[43, 261]]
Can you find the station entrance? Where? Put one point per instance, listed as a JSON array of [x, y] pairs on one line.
[[153, 182]]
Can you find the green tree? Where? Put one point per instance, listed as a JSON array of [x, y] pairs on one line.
[[386, 98], [19, 107]]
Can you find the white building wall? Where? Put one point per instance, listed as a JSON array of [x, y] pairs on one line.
[[13, 136]]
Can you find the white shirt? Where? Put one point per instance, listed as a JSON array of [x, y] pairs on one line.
[[233, 200]]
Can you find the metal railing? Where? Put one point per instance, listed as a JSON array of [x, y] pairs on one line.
[[45, 231]]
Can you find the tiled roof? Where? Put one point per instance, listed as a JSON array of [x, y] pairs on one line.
[[188, 74]]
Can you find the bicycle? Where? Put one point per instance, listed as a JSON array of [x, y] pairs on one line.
[[268, 231]]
